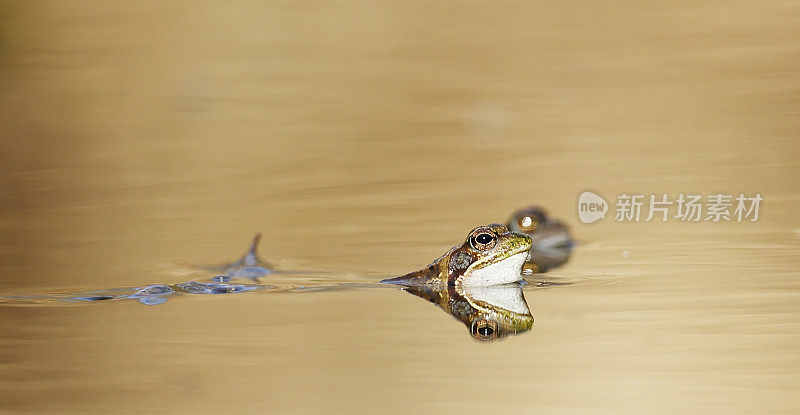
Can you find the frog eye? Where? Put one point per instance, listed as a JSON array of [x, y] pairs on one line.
[[483, 240], [484, 330], [528, 222]]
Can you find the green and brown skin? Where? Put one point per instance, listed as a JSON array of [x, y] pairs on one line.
[[484, 246]]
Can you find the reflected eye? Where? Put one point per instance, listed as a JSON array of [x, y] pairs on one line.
[[483, 240], [484, 330]]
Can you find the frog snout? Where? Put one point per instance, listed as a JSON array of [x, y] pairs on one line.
[[522, 240]]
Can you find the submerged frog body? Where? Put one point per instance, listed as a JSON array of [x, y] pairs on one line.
[[159, 293], [490, 313], [543, 260], [491, 255], [249, 266]]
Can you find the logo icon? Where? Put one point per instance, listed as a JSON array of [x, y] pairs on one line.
[[591, 207]]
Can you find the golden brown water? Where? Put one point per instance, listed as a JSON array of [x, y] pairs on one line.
[[367, 138]]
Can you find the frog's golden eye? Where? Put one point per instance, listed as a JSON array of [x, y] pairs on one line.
[[528, 222], [483, 240], [484, 330]]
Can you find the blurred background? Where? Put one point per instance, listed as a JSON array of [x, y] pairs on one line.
[[369, 137]]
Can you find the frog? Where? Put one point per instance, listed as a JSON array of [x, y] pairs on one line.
[[490, 313], [491, 255], [546, 231], [552, 243]]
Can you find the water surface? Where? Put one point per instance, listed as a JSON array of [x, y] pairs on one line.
[[365, 139]]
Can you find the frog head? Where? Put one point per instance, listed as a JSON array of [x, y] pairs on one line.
[[545, 231], [490, 255]]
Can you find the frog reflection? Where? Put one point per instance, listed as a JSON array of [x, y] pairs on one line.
[[490, 313]]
